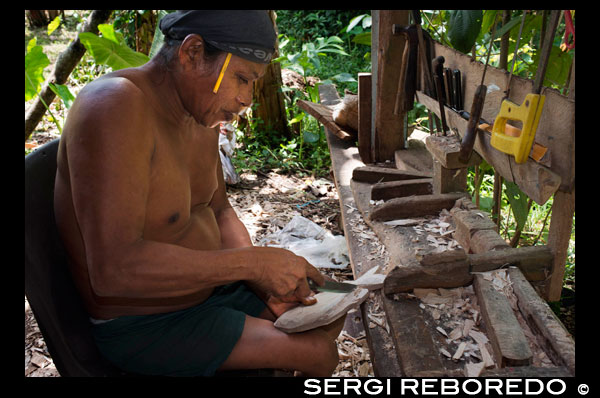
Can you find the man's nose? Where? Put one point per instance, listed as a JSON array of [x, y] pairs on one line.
[[245, 97]]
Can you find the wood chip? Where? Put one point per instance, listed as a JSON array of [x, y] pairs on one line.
[[442, 331], [459, 351], [474, 369], [456, 333]]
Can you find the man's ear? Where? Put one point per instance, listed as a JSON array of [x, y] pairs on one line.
[[191, 49]]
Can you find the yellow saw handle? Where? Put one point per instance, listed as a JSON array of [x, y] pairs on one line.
[[528, 113]]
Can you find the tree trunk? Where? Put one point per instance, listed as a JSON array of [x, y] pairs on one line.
[[268, 95], [67, 60], [37, 18]]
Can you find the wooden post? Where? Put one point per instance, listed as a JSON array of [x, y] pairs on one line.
[[561, 223], [387, 128], [364, 118]]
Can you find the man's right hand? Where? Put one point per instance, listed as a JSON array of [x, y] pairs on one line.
[[282, 275]]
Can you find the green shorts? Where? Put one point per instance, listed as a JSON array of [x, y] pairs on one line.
[[191, 342]]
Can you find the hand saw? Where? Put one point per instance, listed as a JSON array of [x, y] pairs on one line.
[[529, 112]]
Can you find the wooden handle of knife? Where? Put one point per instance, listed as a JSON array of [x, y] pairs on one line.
[[466, 146]]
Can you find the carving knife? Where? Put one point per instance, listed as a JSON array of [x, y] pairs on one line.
[[331, 286]]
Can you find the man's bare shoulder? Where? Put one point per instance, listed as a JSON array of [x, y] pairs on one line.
[[110, 111], [112, 90]]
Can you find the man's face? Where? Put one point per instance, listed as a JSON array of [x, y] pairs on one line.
[[235, 92], [198, 79]]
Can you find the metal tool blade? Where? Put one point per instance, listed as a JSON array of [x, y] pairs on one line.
[[331, 286]]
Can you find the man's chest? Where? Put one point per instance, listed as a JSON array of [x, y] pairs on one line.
[[183, 177]]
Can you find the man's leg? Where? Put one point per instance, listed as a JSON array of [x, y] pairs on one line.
[[261, 345]]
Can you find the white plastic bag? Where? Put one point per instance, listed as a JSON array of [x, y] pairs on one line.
[[307, 239]]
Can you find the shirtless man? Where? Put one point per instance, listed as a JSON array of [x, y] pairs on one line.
[[164, 266]]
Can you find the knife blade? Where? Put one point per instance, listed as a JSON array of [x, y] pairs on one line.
[[331, 286]]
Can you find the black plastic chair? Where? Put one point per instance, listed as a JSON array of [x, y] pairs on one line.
[[49, 288]]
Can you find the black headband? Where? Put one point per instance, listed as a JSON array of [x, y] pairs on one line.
[[246, 33]]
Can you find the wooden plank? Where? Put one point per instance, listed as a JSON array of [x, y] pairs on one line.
[[414, 206], [448, 274], [556, 129], [323, 114], [506, 336], [536, 180], [534, 262], [468, 222], [537, 312], [387, 50], [344, 158], [375, 174], [397, 189], [446, 150], [415, 157], [559, 235], [448, 180], [487, 240], [381, 345], [364, 117], [414, 343]]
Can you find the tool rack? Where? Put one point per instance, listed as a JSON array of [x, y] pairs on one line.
[[422, 177]]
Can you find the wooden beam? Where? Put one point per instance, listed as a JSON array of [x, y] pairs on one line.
[[534, 262], [508, 340], [537, 311], [398, 189], [374, 174], [536, 180], [364, 118], [559, 235], [323, 114], [387, 52], [414, 206], [556, 127]]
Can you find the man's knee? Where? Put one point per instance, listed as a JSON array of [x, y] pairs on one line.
[[329, 358]]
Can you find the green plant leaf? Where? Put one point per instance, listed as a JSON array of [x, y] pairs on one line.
[[310, 137], [344, 77], [108, 32], [464, 27], [354, 21], [53, 25], [35, 62], [108, 52], [64, 93], [159, 38], [363, 38], [299, 117], [518, 202]]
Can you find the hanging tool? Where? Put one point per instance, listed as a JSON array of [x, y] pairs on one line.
[[466, 145], [457, 89], [407, 83], [438, 76], [569, 31], [449, 89], [529, 112]]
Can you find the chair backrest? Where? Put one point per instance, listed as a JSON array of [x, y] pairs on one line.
[[49, 288]]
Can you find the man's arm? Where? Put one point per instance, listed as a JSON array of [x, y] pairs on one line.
[[110, 166]]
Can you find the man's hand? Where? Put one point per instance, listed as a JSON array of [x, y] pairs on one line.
[[282, 276]]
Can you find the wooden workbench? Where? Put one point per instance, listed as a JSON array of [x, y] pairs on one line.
[[407, 343]]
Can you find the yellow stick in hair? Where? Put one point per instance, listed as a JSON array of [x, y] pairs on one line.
[[218, 84]]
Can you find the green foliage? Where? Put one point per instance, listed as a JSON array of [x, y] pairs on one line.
[[464, 28], [35, 62], [110, 49]]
